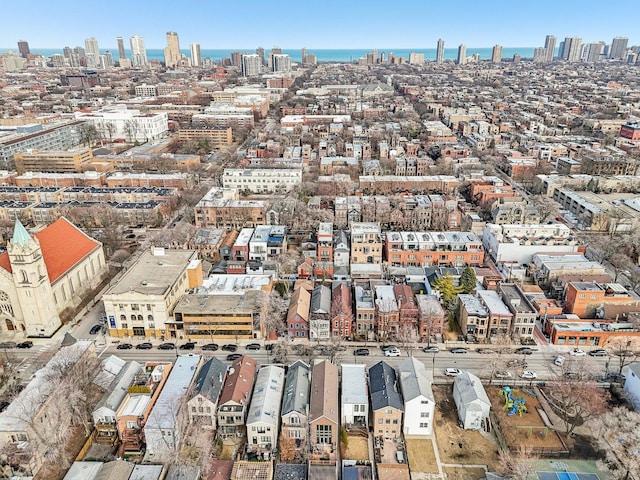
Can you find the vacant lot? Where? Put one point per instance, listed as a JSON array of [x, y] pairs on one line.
[[456, 445], [459, 473], [421, 456], [358, 448]]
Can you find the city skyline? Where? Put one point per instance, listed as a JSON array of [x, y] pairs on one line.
[[293, 25]]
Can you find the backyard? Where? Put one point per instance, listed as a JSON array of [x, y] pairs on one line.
[[421, 457], [455, 445]]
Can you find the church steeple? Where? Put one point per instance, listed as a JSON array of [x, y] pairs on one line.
[[20, 235]]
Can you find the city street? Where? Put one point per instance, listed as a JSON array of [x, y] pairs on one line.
[[480, 364]]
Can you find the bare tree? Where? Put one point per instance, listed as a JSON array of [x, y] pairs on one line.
[[518, 465], [626, 349], [276, 313], [408, 337], [577, 397], [287, 448], [545, 206], [618, 436]]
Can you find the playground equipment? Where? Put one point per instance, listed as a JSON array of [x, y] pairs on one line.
[[514, 405]]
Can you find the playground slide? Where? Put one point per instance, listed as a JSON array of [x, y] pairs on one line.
[[513, 410]]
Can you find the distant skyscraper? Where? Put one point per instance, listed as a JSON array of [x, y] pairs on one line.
[[23, 48], [496, 54], [540, 55], [462, 54], [440, 51], [618, 49], [172, 50], [573, 48], [251, 65], [280, 63], [594, 52], [93, 52], [260, 53], [121, 53], [196, 58], [561, 50], [416, 58], [236, 59], [303, 55], [138, 52], [550, 47]]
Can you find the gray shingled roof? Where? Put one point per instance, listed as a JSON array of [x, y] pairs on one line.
[[384, 388], [415, 380], [296, 389], [321, 300], [210, 379]]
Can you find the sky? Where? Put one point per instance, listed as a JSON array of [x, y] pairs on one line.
[[223, 24]]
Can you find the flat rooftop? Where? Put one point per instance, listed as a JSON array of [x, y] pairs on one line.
[[153, 274]]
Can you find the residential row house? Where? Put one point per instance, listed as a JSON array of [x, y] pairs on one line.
[[414, 249], [295, 404], [386, 401], [323, 413], [263, 418], [233, 403]]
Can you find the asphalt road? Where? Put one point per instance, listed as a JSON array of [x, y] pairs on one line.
[[480, 364]]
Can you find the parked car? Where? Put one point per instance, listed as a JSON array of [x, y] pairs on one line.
[[523, 351], [384, 348], [431, 349], [559, 361], [486, 351], [253, 346], [598, 352], [502, 374], [26, 344], [392, 352], [144, 346], [233, 356], [229, 347], [8, 345], [361, 352], [95, 329], [528, 374], [517, 362], [124, 346], [458, 350], [188, 346], [577, 352], [210, 346], [167, 346], [452, 372]]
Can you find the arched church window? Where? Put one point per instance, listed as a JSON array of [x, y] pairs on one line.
[[5, 304]]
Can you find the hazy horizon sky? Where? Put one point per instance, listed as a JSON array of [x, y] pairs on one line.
[[330, 24]]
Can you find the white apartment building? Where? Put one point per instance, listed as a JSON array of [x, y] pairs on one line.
[[517, 243], [116, 122], [142, 301], [262, 180]]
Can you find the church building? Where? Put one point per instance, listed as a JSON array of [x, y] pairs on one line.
[[43, 274]]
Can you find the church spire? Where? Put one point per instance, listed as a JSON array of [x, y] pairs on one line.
[[20, 234]]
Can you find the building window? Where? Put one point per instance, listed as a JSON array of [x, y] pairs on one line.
[[323, 434], [424, 414]]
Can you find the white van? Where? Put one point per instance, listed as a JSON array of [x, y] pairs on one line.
[[559, 360]]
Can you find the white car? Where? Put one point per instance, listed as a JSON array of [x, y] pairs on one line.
[[577, 352], [392, 352], [529, 375], [502, 374], [452, 372]]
